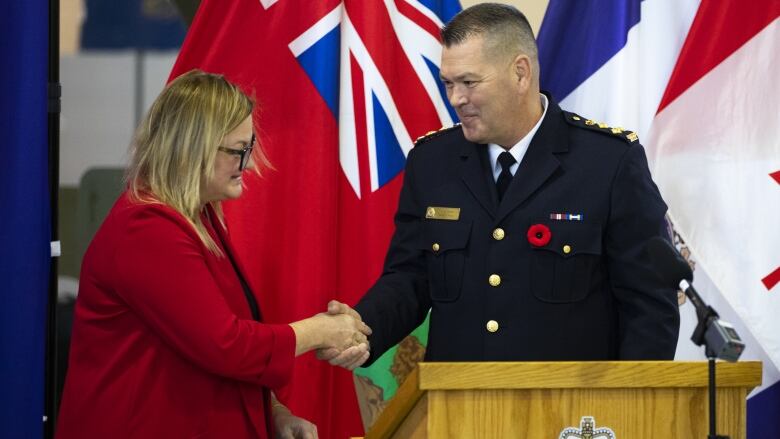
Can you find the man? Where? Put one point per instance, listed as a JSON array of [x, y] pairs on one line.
[[522, 229]]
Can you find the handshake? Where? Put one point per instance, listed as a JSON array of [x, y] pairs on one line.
[[339, 336]]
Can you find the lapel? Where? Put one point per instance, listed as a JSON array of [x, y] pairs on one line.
[[253, 397], [539, 162], [231, 287], [476, 174]]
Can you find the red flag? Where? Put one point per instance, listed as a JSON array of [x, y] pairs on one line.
[[342, 88]]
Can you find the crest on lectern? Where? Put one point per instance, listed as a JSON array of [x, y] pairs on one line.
[[587, 430]]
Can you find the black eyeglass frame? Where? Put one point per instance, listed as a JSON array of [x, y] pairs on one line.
[[245, 153]]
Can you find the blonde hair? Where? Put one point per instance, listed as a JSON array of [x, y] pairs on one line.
[[175, 146]]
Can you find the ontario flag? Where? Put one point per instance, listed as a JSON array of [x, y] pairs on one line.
[[343, 89], [697, 80]]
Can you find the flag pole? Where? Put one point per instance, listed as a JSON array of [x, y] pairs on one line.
[[51, 393]]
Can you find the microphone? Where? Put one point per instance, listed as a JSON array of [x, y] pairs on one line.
[[719, 337]]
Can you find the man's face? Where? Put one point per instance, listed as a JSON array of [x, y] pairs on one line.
[[483, 89]]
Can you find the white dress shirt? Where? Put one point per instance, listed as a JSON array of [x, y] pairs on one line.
[[519, 149]]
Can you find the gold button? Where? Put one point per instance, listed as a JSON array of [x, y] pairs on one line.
[[602, 125], [492, 326], [567, 249], [498, 234], [494, 280], [435, 246], [590, 122], [430, 212], [575, 117]]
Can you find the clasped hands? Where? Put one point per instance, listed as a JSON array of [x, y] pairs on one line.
[[352, 353], [340, 338]]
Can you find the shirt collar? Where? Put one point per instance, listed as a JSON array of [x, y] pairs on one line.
[[519, 149]]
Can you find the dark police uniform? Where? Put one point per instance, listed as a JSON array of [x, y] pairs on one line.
[[578, 287]]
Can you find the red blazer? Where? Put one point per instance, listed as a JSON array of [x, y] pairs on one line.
[[163, 342]]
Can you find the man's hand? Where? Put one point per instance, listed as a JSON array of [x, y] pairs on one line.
[[349, 359]]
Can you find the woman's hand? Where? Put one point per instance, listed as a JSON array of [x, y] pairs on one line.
[[342, 331], [289, 426], [352, 357], [338, 331]]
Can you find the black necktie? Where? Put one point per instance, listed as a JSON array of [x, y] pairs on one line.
[[505, 177]]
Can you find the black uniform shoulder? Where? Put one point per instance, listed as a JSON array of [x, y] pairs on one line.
[[440, 134], [623, 134]]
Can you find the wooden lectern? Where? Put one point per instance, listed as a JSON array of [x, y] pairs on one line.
[[550, 400]]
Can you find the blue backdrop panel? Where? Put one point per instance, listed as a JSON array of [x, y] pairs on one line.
[[24, 216], [125, 24]]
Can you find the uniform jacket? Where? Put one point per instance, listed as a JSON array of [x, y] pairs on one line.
[[163, 342], [587, 294]]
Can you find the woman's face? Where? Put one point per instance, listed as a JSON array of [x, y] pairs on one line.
[[226, 183]]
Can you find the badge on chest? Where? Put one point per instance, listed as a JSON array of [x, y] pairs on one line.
[[442, 213]]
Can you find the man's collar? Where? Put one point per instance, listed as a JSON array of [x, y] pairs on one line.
[[519, 149]]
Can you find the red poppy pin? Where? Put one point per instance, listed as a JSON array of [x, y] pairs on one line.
[[539, 235]]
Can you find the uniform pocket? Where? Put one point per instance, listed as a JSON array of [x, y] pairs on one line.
[[445, 244], [566, 268]]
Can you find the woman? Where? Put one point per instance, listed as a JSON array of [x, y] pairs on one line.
[[167, 336]]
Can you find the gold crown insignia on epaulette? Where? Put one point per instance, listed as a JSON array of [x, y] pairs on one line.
[[617, 131], [431, 134]]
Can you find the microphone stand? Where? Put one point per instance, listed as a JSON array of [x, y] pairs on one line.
[[711, 387], [710, 333]]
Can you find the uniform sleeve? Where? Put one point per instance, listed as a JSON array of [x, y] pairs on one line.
[[648, 314], [399, 300], [162, 275]]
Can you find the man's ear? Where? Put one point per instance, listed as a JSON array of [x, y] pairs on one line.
[[523, 70], [522, 66]]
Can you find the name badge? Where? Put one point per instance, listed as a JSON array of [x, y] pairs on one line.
[[442, 213]]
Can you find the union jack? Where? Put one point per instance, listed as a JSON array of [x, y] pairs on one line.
[[385, 89]]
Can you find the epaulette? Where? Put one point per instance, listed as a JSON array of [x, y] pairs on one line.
[[619, 132], [433, 134]]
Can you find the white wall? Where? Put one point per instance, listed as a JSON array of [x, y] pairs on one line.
[[533, 9], [98, 106]]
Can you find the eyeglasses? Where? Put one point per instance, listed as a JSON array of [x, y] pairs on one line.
[[245, 153]]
